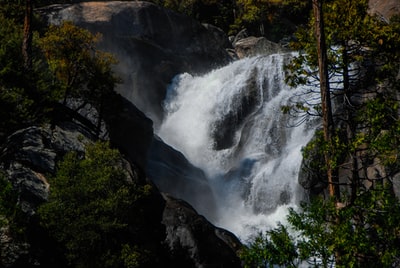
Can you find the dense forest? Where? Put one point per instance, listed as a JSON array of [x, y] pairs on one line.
[[351, 221]]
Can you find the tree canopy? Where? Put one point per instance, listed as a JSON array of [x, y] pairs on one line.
[[93, 210], [73, 59], [63, 63]]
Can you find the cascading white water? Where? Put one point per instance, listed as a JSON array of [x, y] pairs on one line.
[[229, 123]]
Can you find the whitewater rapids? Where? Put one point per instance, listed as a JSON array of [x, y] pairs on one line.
[[229, 123]]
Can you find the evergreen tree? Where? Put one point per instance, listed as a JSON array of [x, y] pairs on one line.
[[93, 210], [363, 57], [356, 62]]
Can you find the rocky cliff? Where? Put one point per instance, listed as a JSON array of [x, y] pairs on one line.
[[152, 45], [29, 158]]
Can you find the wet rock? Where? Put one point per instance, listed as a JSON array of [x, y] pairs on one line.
[[253, 46], [192, 236]]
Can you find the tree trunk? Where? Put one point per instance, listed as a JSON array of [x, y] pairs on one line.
[[351, 124], [327, 117], [27, 41]]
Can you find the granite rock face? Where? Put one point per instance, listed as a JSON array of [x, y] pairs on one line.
[[175, 175], [195, 241], [152, 45], [27, 158], [30, 156], [252, 46], [384, 8]]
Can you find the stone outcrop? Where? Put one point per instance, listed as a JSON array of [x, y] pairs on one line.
[[253, 46], [384, 8], [128, 129], [30, 156], [224, 129], [311, 177], [189, 236], [152, 45]]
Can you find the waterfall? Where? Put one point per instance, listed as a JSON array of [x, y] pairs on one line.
[[229, 123]]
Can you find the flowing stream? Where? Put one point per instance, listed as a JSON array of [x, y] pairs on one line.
[[229, 123]]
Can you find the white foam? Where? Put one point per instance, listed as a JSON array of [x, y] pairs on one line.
[[255, 179]]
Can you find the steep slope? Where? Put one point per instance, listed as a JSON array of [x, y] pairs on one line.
[[29, 160]]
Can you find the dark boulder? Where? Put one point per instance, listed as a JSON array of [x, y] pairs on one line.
[[194, 241], [128, 129], [253, 46], [312, 176], [31, 154], [28, 158]]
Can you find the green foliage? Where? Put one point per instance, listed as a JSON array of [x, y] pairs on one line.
[[135, 257], [25, 97], [347, 46], [276, 247], [10, 51], [364, 234], [11, 215], [361, 40], [65, 64], [13, 9], [101, 80], [15, 102], [315, 149], [92, 210], [80, 70], [344, 46], [13, 99], [353, 232], [250, 15], [8, 200], [269, 18], [382, 135], [71, 56], [219, 13], [368, 233]]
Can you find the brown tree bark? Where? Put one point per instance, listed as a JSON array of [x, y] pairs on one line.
[[27, 41], [327, 117]]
